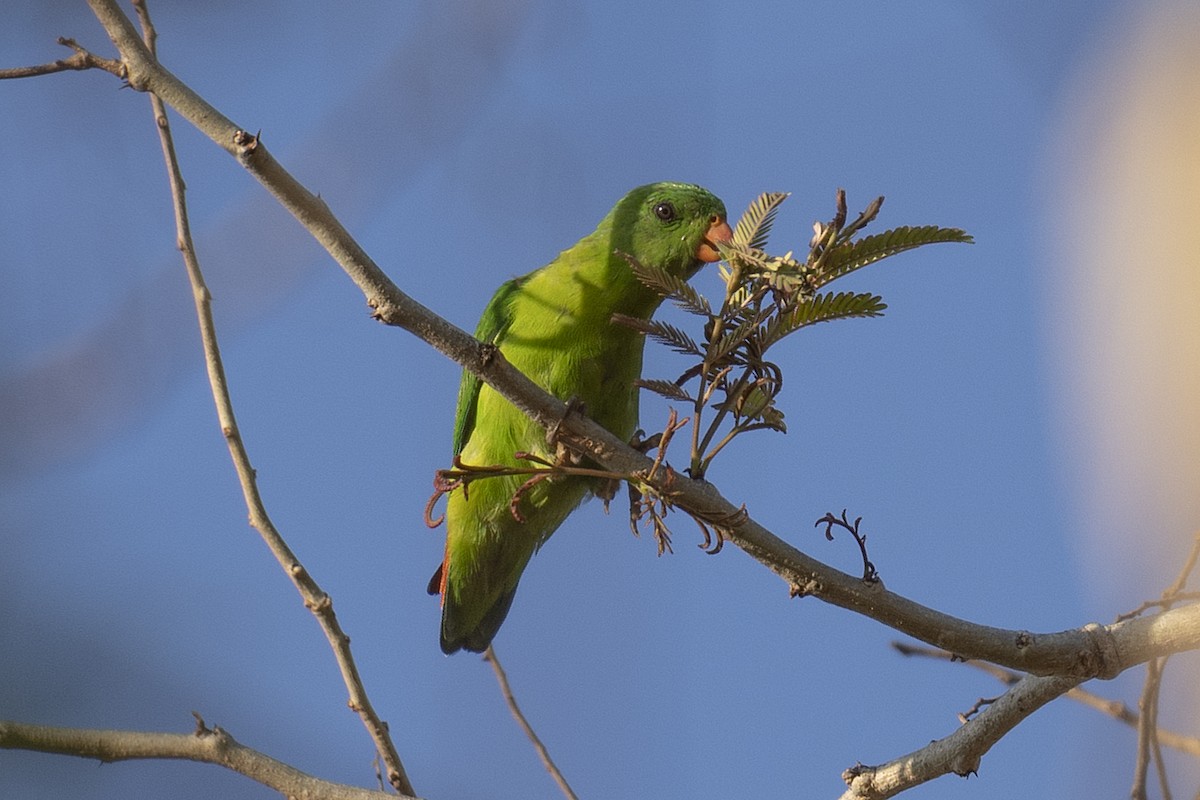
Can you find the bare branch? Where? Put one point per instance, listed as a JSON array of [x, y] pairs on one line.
[[506, 690], [961, 752], [1114, 708], [1084, 653], [211, 746], [315, 599], [81, 59]]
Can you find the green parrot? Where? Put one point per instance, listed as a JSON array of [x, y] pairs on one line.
[[554, 325]]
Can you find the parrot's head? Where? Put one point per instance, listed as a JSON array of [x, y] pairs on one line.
[[672, 226]]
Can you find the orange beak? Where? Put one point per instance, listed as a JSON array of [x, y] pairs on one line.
[[718, 231]]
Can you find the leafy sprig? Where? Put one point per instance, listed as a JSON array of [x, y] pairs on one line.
[[767, 298]]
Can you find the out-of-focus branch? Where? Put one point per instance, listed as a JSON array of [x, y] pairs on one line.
[[1086, 652], [315, 599], [1150, 738], [211, 746]]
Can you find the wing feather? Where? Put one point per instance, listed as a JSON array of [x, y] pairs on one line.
[[492, 326]]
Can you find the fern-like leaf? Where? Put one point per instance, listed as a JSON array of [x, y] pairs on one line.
[[666, 389], [662, 332], [755, 225], [869, 249], [669, 286], [730, 341], [822, 308]]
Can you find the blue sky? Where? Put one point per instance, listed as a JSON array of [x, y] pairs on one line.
[[463, 145]]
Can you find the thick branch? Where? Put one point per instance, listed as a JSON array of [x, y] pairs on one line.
[[962, 751], [213, 746], [1083, 653]]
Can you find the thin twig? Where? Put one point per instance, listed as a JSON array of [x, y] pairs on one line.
[[1175, 592], [1150, 739], [1149, 746], [315, 599], [81, 59], [1185, 572], [490, 656]]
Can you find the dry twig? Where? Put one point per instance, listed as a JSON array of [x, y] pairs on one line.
[[506, 690]]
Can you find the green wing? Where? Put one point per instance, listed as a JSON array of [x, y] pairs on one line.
[[492, 327]]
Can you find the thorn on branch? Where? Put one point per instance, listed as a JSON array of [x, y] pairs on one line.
[[870, 574]]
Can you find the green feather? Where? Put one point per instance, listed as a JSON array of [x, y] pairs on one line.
[[555, 325], [492, 325]]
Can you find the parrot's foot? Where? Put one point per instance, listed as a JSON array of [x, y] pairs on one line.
[[574, 406], [606, 490]]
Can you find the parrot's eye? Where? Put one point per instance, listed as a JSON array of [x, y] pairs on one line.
[[665, 212]]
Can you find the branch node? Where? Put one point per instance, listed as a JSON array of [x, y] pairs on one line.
[[246, 144], [319, 603], [812, 586], [1102, 659]]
